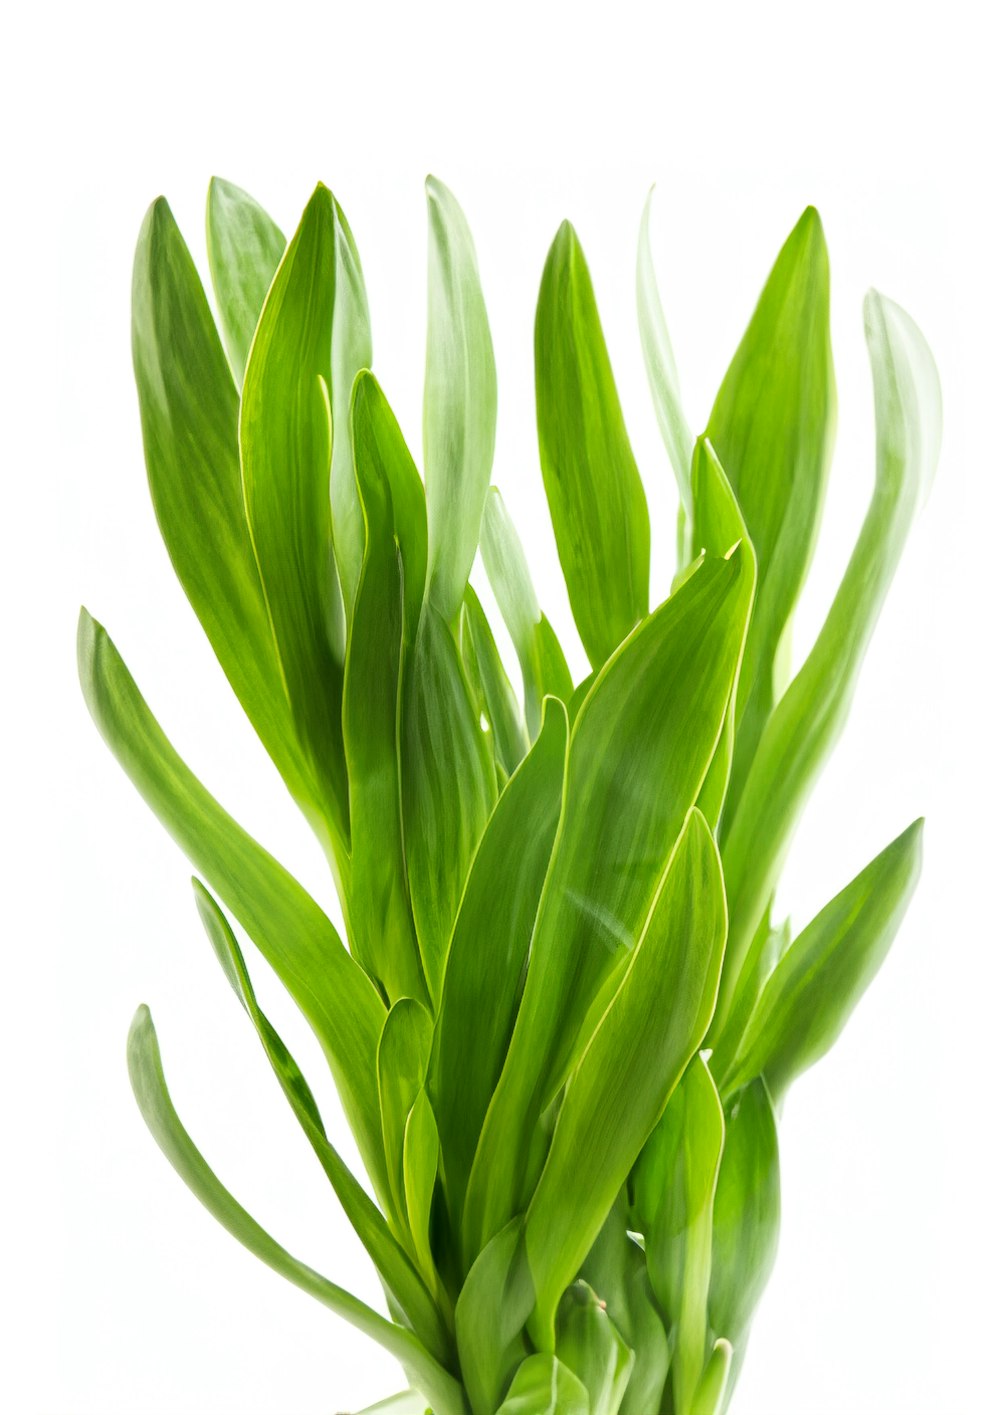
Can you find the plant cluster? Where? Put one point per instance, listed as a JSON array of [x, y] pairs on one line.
[[565, 1013]]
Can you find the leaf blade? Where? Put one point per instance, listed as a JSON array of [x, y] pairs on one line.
[[244, 250]]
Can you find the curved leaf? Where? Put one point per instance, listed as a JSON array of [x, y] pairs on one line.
[[638, 754], [490, 1314], [495, 696], [351, 352], [285, 452], [590, 1345], [595, 496], [288, 927], [244, 250], [631, 1063], [460, 401], [403, 1053], [815, 987], [544, 1386], [146, 1072], [808, 720]]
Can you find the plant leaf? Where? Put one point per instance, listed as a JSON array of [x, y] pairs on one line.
[[631, 1063], [639, 750], [807, 721], [460, 401], [189, 409], [489, 1318], [674, 1192], [285, 452], [288, 927], [815, 987], [394, 1267], [544, 1386], [497, 701], [710, 1398], [146, 1072], [543, 665], [772, 427], [383, 624], [489, 950], [664, 384], [442, 743], [595, 496], [244, 250], [403, 1053], [746, 1216], [589, 1344], [351, 352], [420, 1166]]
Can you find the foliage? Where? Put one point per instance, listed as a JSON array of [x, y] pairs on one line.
[[563, 1015]]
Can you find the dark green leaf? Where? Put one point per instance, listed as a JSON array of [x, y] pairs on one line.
[[595, 496]]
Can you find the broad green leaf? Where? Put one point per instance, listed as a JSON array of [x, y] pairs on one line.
[[716, 524], [460, 401], [146, 1072], [403, 1053], [710, 1397], [589, 1344], [544, 1386], [767, 947], [596, 500], [746, 1216], [420, 1167], [674, 1191], [633, 1060], [638, 754], [772, 428], [808, 720], [189, 409], [664, 384], [383, 623], [442, 743], [616, 1269], [285, 452], [815, 987], [489, 950], [351, 352], [543, 666], [394, 1267], [490, 1314], [244, 250], [288, 927], [496, 697]]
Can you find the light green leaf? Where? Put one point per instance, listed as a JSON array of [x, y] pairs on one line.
[[710, 1398], [146, 1072], [589, 1344], [244, 250], [442, 743], [496, 697], [808, 720], [395, 1269], [351, 352], [746, 1216], [631, 1063], [420, 1167], [596, 500], [288, 927], [403, 1053], [674, 1192], [544, 1386], [460, 401], [815, 987], [190, 420], [408, 1402], [772, 428], [489, 950], [638, 754], [543, 665], [490, 1314], [383, 624], [664, 384], [285, 451]]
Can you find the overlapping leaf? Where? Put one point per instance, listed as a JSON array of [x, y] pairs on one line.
[[244, 250]]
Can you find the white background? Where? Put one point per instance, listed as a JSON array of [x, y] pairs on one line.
[[124, 1295]]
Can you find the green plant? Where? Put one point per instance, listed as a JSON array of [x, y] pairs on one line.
[[566, 1014]]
